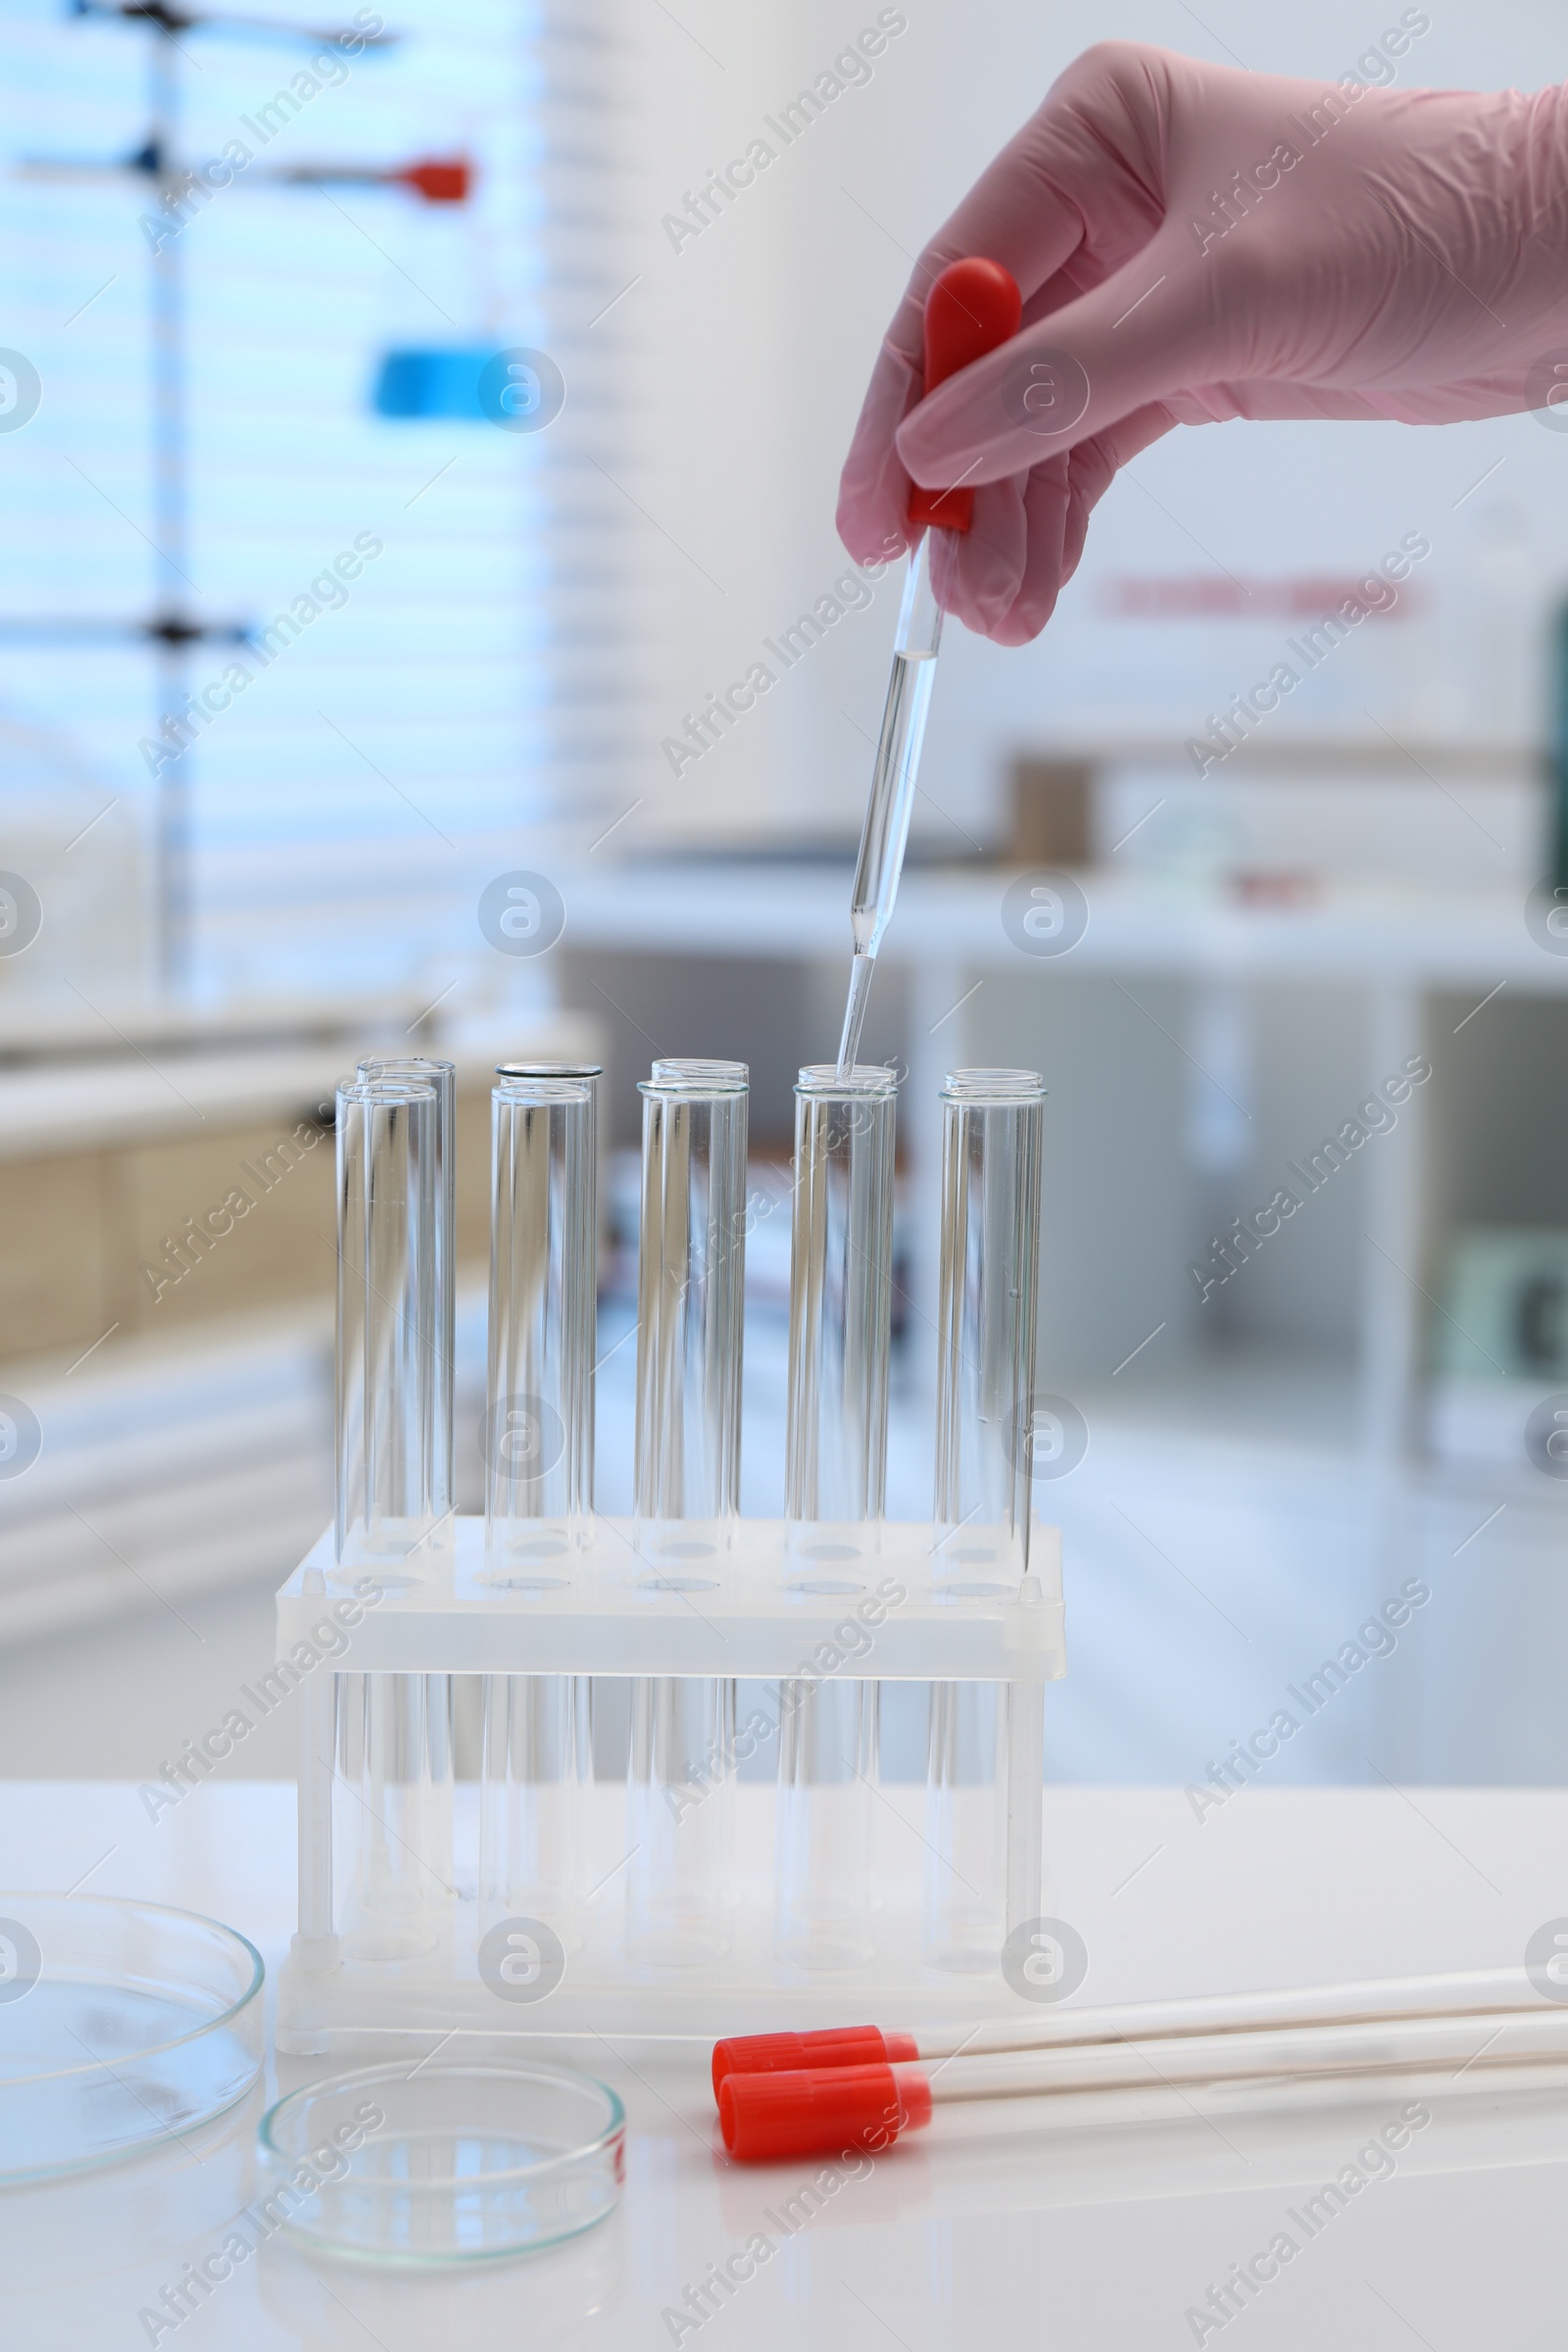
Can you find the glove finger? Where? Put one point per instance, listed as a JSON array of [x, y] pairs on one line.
[[1078, 371], [1071, 197], [1007, 592], [875, 489], [1081, 185], [976, 574]]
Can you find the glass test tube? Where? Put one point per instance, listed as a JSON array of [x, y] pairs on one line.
[[394, 1466], [590, 1074], [393, 1734], [418, 1069], [985, 1764], [538, 1449], [587, 1076], [841, 1287], [690, 1297], [538, 1454]]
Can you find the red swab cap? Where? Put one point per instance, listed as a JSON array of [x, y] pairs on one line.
[[821, 2111], [788, 2053], [439, 181], [973, 307]]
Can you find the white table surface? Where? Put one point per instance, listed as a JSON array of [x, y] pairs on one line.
[[1091, 2240]]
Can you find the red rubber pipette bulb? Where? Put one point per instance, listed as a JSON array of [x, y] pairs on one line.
[[973, 307]]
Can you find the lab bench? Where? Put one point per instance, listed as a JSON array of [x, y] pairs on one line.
[[1342, 985], [1097, 2235]]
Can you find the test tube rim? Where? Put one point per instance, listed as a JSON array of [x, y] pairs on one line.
[[693, 1076], [994, 1086], [386, 1091], [539, 1089], [374, 1066], [822, 1081], [549, 1069]]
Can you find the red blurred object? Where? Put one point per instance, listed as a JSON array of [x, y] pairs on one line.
[[789, 2053], [1303, 596], [437, 181], [1284, 887], [973, 307], [820, 2111]]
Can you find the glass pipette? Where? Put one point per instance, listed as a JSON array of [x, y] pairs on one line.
[[973, 306], [886, 831]]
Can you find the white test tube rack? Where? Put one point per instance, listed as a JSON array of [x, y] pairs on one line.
[[384, 1639]]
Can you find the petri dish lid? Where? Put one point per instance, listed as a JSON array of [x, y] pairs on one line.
[[121, 2025], [428, 2164]]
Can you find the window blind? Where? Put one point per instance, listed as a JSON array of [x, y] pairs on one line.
[[435, 652]]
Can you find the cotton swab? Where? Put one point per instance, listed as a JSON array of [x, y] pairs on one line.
[[1459, 1994], [820, 2111]]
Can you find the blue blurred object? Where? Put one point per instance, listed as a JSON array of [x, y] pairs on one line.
[[430, 383]]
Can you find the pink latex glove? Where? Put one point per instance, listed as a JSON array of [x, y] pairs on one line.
[[1177, 267]]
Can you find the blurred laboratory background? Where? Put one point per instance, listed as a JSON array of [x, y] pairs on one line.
[[405, 440]]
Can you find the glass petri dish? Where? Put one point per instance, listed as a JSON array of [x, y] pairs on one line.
[[435, 2164], [121, 2025]]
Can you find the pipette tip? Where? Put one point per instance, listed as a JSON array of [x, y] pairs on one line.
[[861, 969]]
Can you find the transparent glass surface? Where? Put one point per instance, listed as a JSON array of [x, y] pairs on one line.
[[680, 1774], [391, 1828], [885, 835], [988, 1298], [392, 1813], [691, 1284], [824, 1898], [394, 1460], [539, 1420], [965, 1828], [841, 1285], [420, 1069], [841, 1300], [690, 1281], [122, 2024], [443, 2163], [535, 1786], [536, 1760], [985, 1760]]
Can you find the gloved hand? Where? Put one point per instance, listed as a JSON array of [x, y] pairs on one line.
[[1193, 242]]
